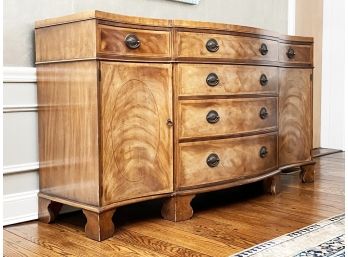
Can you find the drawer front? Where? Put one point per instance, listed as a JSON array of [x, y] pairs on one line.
[[215, 161], [296, 53], [202, 118], [195, 45], [210, 79], [129, 42]]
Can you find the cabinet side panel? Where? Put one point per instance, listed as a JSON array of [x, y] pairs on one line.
[[65, 42], [68, 130], [295, 115]]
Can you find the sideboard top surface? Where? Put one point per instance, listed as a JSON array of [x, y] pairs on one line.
[[188, 24]]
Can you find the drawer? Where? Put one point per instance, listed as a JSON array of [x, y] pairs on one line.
[[211, 79], [218, 117], [295, 53], [225, 47], [129, 42], [216, 161]]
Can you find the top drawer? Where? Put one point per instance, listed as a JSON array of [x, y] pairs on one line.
[[137, 43], [225, 47], [291, 53]]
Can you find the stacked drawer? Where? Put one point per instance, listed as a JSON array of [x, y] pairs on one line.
[[227, 108]]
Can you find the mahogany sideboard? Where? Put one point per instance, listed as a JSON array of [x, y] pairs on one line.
[[133, 109]]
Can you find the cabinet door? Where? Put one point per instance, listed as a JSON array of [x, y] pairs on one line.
[[295, 115], [137, 143]]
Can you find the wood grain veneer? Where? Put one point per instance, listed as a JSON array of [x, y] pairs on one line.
[[303, 53], [66, 42], [239, 158], [100, 15], [236, 116], [193, 45], [232, 80], [295, 118], [68, 130], [153, 44], [124, 104], [137, 142]]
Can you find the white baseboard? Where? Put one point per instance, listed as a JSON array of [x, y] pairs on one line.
[[21, 207]]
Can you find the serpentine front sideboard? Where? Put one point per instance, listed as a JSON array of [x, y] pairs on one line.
[[133, 109]]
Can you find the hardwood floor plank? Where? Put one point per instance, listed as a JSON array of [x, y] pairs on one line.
[[77, 242], [185, 239], [17, 246], [156, 245], [128, 238]]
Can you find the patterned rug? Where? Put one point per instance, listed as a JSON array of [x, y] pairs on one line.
[[322, 239]]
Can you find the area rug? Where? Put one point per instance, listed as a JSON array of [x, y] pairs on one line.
[[322, 239]]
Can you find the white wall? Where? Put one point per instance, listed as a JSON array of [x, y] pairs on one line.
[[333, 72]]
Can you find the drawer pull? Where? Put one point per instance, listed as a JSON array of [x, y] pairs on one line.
[[213, 117], [263, 152], [212, 45], [132, 41], [213, 160], [212, 80], [263, 49], [290, 53], [263, 80], [263, 113]]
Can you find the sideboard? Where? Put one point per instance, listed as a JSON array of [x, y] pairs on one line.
[[133, 109]]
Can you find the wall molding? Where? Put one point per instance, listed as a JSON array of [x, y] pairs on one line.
[[20, 108], [20, 207], [19, 168], [19, 74]]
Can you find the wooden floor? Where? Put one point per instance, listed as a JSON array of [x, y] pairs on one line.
[[224, 222]]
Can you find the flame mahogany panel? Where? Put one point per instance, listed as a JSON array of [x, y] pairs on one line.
[[236, 116], [303, 53], [153, 44], [193, 45], [295, 115], [239, 159], [232, 80], [137, 142]]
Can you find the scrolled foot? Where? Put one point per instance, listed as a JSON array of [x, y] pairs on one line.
[[178, 208], [99, 226], [48, 210]]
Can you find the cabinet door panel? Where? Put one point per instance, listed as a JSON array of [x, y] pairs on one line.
[[136, 101], [295, 115]]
